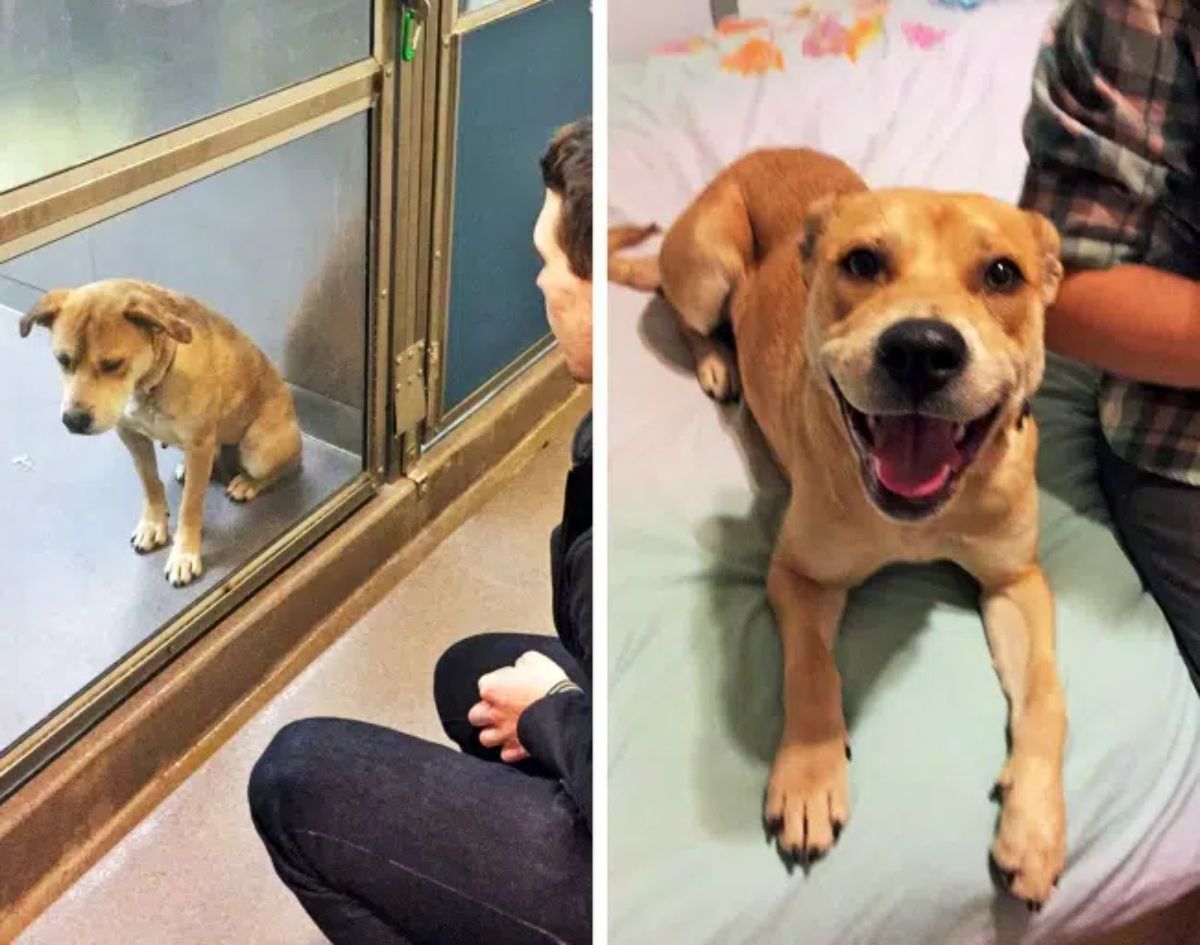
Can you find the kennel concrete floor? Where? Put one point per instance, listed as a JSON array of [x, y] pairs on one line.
[[74, 597], [193, 873]]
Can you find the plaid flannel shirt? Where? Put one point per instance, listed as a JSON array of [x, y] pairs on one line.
[[1113, 135]]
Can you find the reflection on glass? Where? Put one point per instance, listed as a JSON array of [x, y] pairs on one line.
[[278, 245], [81, 78], [496, 312], [469, 6]]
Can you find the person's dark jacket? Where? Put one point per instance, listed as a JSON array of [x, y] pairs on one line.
[[557, 729]]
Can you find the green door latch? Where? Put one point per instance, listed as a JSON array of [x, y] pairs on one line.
[[412, 19]]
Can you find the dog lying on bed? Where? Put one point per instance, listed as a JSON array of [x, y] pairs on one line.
[[157, 365], [888, 343]]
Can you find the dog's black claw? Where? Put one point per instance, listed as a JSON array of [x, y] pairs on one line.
[[772, 826], [1033, 906], [1057, 880], [813, 855], [849, 756], [1002, 877], [837, 830], [792, 856], [996, 793]]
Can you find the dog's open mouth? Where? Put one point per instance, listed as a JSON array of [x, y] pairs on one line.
[[912, 460]]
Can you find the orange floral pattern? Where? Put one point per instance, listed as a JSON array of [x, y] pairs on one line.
[[754, 57], [861, 34], [828, 30]]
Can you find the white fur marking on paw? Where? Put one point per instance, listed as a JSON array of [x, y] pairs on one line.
[[183, 567], [242, 488], [149, 535]]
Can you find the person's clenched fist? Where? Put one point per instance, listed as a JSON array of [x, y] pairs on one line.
[[507, 692]]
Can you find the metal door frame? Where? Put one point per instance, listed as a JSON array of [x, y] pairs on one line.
[[438, 421], [37, 213]]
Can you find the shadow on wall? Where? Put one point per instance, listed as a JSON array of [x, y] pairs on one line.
[[326, 342]]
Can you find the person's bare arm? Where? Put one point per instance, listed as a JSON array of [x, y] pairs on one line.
[[1132, 320]]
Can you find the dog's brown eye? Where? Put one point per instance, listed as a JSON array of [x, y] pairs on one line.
[[865, 264], [64, 361], [111, 367], [1002, 275]]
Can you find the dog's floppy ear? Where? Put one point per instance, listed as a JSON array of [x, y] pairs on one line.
[[154, 316], [44, 311], [818, 215], [1051, 247]]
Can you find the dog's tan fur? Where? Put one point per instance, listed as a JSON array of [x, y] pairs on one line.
[[763, 243], [157, 365]]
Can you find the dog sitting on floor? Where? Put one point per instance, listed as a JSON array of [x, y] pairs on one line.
[[887, 343], [157, 365]]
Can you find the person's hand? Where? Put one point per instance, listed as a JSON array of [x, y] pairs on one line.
[[507, 692]]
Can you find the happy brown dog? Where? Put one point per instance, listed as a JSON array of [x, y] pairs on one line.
[[888, 343], [157, 365]]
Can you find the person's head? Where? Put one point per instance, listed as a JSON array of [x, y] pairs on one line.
[[563, 238]]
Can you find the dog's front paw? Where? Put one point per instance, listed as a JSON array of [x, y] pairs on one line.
[[183, 567], [241, 488], [1031, 843], [150, 534], [808, 798], [718, 376]]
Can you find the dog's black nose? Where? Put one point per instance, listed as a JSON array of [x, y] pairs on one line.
[[921, 355], [77, 421]]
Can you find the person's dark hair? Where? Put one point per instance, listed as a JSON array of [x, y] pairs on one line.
[[567, 172]]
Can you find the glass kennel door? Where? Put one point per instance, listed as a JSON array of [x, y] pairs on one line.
[[240, 152], [515, 71]]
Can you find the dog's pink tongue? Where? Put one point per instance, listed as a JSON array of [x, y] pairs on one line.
[[914, 455]]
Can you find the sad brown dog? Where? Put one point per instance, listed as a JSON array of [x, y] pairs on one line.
[[888, 343], [157, 365]]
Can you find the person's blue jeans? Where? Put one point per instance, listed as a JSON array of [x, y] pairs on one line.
[[1158, 522], [386, 838]]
